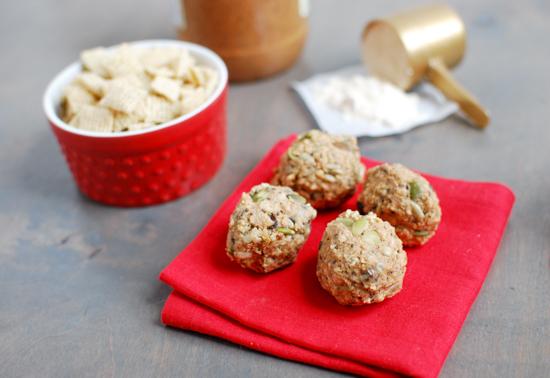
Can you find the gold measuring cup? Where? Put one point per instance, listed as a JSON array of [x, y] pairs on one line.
[[424, 42]]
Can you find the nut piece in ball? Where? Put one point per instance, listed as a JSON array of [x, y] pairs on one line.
[[325, 169], [361, 259], [403, 198], [268, 227]]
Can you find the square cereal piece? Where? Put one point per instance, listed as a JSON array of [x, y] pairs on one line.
[[192, 99], [95, 60], [159, 110], [123, 121], [94, 83], [196, 76], [74, 96], [145, 81], [182, 63], [166, 87], [139, 80], [159, 71], [159, 56], [124, 62], [122, 96], [93, 118]]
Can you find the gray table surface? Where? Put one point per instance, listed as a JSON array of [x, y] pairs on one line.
[[79, 294]]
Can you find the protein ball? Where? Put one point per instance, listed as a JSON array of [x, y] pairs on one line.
[[268, 227], [323, 168], [403, 198], [361, 259]]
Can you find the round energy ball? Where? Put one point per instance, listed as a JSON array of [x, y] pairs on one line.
[[403, 198], [361, 259], [323, 168], [268, 227]]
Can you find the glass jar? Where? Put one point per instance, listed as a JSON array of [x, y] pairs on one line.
[[255, 38]]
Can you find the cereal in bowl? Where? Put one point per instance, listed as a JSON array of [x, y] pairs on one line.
[[130, 88]]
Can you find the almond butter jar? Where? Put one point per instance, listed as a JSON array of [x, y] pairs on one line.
[[255, 38]]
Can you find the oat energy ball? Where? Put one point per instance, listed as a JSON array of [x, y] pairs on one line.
[[268, 227], [403, 198], [361, 259], [323, 168]]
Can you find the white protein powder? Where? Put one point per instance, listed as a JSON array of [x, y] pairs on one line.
[[368, 98]]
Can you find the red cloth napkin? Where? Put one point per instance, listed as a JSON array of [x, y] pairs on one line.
[[288, 314]]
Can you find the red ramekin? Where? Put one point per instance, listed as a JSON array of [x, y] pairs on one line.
[[151, 166]]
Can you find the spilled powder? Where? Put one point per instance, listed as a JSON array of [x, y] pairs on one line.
[[361, 97]]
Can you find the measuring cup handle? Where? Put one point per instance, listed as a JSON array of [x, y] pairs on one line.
[[441, 77]]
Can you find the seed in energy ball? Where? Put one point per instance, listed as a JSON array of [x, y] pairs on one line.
[[268, 227], [361, 259], [325, 169], [403, 198]]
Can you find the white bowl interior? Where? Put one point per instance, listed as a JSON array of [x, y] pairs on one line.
[[204, 56]]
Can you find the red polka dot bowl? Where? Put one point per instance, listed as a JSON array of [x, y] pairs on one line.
[[151, 166]]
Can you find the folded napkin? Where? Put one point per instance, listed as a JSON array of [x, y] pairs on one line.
[[432, 107], [286, 313]]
